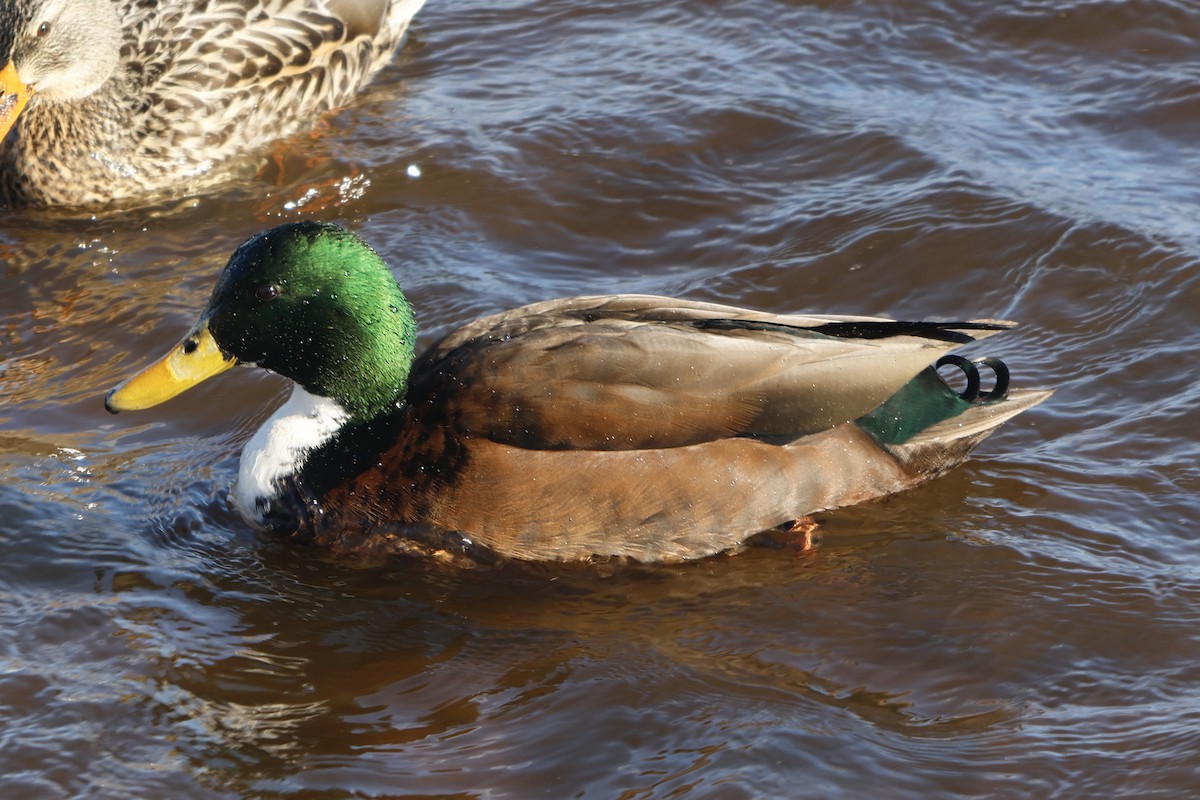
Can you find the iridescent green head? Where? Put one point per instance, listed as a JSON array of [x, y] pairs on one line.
[[310, 301]]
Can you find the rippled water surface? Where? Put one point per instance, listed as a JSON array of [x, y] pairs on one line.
[[1023, 627]]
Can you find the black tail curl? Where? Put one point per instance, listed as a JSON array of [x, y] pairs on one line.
[[971, 370]]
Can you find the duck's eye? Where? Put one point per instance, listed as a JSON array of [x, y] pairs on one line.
[[43, 29], [267, 292]]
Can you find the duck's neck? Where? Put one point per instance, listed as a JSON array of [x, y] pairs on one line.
[[279, 448]]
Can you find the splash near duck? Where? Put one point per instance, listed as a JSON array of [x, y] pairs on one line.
[[630, 426], [104, 100]]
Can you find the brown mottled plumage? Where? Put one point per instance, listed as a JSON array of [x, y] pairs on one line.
[[631, 426], [142, 99], [616, 426]]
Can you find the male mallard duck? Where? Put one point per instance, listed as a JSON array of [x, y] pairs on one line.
[[627, 425], [125, 98]]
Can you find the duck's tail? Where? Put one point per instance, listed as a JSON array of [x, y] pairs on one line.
[[929, 428], [401, 14]]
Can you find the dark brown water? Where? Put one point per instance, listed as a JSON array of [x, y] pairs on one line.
[[1024, 627]]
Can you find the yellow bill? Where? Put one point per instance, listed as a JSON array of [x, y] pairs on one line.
[[13, 96], [193, 360]]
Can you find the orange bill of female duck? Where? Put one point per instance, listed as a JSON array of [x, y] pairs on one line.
[[14, 94]]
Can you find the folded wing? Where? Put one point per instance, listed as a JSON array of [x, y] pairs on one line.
[[636, 372]]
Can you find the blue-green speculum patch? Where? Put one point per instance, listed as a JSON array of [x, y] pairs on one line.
[[927, 400]]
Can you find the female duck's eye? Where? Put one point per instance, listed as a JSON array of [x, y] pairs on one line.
[[267, 292], [43, 29]]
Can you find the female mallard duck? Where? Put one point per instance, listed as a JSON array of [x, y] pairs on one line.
[[628, 425], [126, 98]]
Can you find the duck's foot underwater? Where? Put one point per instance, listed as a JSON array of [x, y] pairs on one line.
[[801, 535]]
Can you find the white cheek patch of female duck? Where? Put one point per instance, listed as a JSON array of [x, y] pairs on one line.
[[279, 447]]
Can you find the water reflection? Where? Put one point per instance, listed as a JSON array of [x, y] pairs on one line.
[[1023, 625]]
